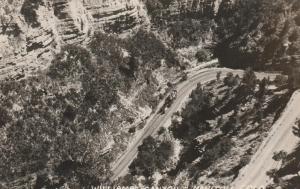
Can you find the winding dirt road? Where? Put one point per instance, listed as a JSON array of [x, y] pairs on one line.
[[120, 168], [280, 138]]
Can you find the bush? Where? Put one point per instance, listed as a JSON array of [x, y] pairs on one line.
[[155, 5], [218, 150], [196, 111], [297, 19], [147, 47], [55, 122], [249, 78], [28, 11], [72, 62], [152, 156], [166, 3], [145, 163], [4, 117], [203, 55], [165, 182], [230, 80], [127, 180], [161, 130], [280, 80]]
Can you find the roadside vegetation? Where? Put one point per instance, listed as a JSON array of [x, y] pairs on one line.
[[66, 125], [217, 132], [52, 124], [203, 55], [288, 175], [58, 127], [153, 156]]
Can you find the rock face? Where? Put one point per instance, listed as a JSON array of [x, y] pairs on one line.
[[184, 23], [115, 16], [184, 8], [27, 47], [24, 48], [77, 19], [200, 7]]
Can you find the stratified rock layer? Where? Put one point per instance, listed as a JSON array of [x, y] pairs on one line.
[[60, 22]]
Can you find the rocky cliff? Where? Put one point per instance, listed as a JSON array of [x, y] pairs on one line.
[[184, 23], [31, 31], [198, 7], [183, 8]]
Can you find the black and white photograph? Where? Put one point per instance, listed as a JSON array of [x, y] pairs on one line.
[[149, 94]]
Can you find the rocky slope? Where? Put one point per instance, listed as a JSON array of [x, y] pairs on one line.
[[184, 23], [213, 137], [190, 8], [262, 34], [114, 84], [31, 31]]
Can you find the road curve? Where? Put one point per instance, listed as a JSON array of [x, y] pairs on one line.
[[280, 138], [157, 120]]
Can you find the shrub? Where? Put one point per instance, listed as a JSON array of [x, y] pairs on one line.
[[249, 78], [218, 150], [152, 5], [272, 173], [203, 55], [152, 156], [218, 76], [127, 180], [55, 122], [70, 113], [4, 117], [280, 80], [146, 46], [72, 62], [161, 130], [165, 182], [278, 156], [145, 164], [166, 3], [28, 11], [230, 80], [297, 19]]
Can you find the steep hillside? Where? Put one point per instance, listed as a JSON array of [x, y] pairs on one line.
[[213, 136], [183, 23], [262, 34], [259, 33], [32, 30], [189, 8], [79, 78], [78, 86], [68, 123]]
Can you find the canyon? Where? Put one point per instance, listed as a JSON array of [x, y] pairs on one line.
[[28, 47], [81, 82], [25, 48]]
